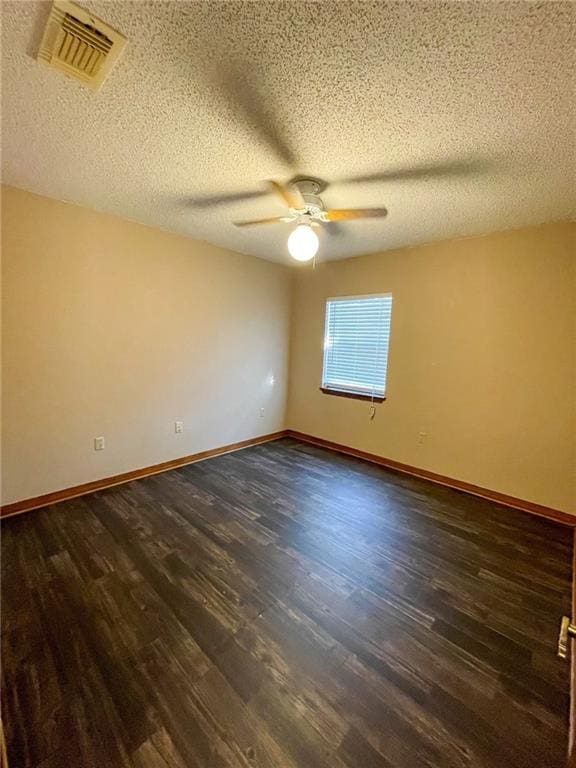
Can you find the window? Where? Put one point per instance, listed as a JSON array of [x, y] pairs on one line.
[[356, 340]]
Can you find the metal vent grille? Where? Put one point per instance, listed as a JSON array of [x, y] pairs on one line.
[[79, 44]]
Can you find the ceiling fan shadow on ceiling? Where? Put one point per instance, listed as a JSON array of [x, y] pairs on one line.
[[448, 170], [252, 103]]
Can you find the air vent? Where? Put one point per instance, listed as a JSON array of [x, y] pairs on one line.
[[79, 44]]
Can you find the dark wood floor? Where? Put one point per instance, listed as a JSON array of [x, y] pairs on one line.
[[284, 606]]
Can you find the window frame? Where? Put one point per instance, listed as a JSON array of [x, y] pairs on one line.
[[355, 395]]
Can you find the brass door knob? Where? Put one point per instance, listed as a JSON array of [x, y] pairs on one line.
[[567, 630]]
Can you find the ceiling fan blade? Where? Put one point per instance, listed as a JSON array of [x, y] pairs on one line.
[[255, 222], [348, 214], [208, 201], [239, 83], [290, 195]]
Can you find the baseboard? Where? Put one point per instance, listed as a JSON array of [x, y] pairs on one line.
[[460, 485], [45, 500], [26, 505]]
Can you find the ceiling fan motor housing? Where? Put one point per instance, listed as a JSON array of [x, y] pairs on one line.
[[309, 190]]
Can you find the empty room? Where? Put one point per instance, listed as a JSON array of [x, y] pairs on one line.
[[288, 447]]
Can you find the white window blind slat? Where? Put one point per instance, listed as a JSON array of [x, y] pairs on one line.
[[356, 340]]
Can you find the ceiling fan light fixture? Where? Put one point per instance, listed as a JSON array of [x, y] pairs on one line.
[[303, 243]]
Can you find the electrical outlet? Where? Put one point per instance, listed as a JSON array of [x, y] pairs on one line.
[[261, 413], [422, 437], [99, 444], [178, 427]]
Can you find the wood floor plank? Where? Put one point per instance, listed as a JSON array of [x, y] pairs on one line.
[[283, 607]]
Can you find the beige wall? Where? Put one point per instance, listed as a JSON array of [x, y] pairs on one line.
[[115, 329], [482, 359]]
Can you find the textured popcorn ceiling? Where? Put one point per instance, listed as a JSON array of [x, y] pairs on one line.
[[481, 93]]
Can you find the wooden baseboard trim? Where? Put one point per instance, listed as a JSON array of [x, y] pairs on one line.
[[460, 485], [26, 505]]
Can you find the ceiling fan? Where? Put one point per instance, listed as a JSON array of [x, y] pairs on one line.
[[242, 90], [306, 210]]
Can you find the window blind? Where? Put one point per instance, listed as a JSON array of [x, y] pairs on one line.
[[356, 339]]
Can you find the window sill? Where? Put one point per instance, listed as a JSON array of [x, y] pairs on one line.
[[353, 395]]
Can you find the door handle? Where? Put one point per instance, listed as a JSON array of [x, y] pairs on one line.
[[567, 630]]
